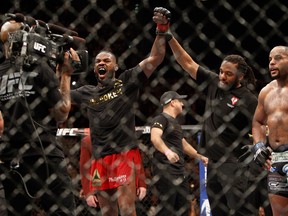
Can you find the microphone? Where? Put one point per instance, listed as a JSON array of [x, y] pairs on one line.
[[31, 21], [19, 17], [61, 30], [77, 41]]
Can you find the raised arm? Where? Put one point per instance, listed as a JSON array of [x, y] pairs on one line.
[[161, 18], [183, 58], [62, 109]]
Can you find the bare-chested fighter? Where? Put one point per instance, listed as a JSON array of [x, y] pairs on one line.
[[272, 110]]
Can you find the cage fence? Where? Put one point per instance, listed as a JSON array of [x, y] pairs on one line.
[[208, 31]]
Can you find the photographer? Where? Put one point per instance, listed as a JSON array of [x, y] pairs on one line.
[[32, 101]]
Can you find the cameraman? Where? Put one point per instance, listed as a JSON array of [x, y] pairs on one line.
[[33, 102]]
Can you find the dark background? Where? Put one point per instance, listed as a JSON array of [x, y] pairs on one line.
[[208, 30]]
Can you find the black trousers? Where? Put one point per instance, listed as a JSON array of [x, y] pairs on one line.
[[38, 184], [3, 204], [232, 189], [174, 195]]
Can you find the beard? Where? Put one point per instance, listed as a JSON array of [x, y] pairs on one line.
[[230, 86], [275, 76]]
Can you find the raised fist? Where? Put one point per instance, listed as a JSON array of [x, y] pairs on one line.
[[161, 16]]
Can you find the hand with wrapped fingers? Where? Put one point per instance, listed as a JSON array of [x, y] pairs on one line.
[[260, 153], [162, 18]]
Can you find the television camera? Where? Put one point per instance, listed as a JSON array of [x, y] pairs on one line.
[[37, 40]]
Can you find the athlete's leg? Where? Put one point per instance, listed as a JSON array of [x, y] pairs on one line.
[[108, 202], [127, 197], [279, 204], [277, 191]]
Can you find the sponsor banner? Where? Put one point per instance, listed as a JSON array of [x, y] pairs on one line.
[[204, 202], [72, 132], [142, 129]]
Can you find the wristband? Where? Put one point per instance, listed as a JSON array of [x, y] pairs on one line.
[[168, 36], [76, 65], [167, 152], [257, 147]]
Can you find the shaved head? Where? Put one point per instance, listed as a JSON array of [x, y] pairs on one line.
[[281, 49], [7, 27]]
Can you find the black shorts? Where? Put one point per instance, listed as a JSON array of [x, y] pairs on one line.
[[277, 184]]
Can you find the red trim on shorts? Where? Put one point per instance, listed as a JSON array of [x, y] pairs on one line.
[[115, 170]]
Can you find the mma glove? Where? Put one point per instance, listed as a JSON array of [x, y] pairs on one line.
[[163, 29], [260, 153]]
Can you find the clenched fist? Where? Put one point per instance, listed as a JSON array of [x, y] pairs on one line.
[[162, 16]]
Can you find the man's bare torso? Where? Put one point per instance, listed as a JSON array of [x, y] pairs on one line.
[[276, 109]]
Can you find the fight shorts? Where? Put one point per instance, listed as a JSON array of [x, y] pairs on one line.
[[277, 184], [114, 170], [277, 178]]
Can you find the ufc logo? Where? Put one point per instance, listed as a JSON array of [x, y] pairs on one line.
[[39, 47], [14, 82], [234, 100], [67, 132]]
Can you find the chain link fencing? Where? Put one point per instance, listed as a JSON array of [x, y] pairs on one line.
[[208, 30]]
